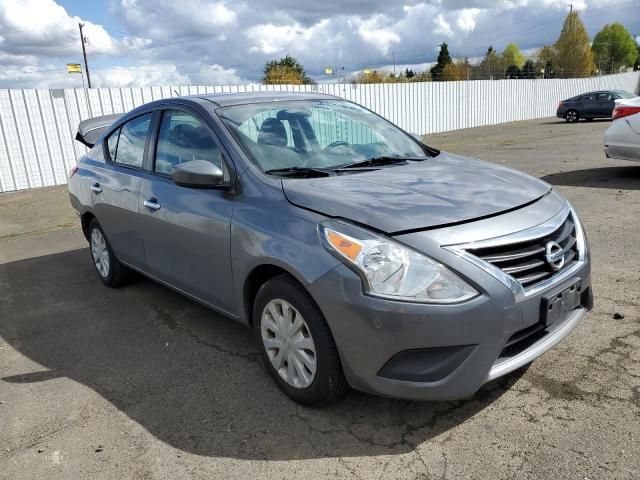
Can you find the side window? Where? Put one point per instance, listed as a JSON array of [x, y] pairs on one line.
[[129, 149], [183, 138], [112, 143], [604, 97]]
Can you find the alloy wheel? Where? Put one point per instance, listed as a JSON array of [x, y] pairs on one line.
[[100, 252], [288, 342]]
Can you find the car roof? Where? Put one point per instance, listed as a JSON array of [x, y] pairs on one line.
[[227, 99], [243, 98]]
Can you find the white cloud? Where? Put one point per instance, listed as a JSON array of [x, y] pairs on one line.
[[225, 41], [467, 19], [217, 75], [139, 76], [42, 27], [381, 38], [268, 38], [442, 26]]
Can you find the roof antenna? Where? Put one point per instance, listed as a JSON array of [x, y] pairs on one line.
[[176, 92]]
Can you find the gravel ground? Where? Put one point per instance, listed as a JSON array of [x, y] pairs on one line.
[[143, 383]]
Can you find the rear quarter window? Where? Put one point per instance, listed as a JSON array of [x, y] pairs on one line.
[[97, 153], [112, 144]]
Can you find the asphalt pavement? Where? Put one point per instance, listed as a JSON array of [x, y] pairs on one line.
[[142, 383]]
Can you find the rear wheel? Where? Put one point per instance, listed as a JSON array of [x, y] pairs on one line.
[[296, 344], [572, 116], [109, 269]]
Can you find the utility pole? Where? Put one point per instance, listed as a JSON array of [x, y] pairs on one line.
[[394, 63], [84, 54]]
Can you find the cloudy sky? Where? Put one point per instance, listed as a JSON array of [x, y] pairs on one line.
[[181, 42]]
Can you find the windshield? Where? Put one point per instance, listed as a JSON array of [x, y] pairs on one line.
[[321, 134], [623, 94]]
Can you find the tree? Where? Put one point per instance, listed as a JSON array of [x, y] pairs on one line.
[[636, 65], [374, 76], [546, 61], [491, 65], [409, 73], [450, 73], [573, 49], [512, 56], [512, 72], [528, 70], [287, 71], [613, 47], [464, 69], [444, 59]]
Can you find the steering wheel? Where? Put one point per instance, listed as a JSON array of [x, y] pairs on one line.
[[338, 143]]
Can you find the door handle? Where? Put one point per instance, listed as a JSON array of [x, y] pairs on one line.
[[152, 204], [96, 188]]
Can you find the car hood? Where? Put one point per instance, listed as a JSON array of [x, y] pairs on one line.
[[447, 189]]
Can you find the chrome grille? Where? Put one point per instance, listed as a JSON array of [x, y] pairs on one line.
[[526, 261]]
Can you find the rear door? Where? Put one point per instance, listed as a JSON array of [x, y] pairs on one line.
[[589, 107], [116, 185], [187, 230]]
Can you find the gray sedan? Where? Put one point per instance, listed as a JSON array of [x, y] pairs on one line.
[[358, 255]]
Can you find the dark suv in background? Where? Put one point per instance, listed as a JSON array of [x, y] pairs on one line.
[[590, 105]]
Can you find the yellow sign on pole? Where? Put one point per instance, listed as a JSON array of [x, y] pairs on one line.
[[328, 70], [74, 68]]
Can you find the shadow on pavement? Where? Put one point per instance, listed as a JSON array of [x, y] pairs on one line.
[[620, 178], [564, 122], [189, 376]]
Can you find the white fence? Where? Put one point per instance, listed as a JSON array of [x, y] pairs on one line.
[[37, 127]]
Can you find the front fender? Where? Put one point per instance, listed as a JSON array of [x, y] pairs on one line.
[[268, 230]]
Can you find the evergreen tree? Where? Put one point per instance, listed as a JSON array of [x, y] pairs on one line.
[[444, 59]]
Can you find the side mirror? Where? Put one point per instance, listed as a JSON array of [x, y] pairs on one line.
[[198, 174]]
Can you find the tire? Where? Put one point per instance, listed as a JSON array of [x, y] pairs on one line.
[[109, 269], [327, 382], [572, 116]]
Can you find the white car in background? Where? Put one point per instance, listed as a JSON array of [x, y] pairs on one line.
[[622, 139]]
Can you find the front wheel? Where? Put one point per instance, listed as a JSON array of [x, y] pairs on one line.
[[296, 344], [108, 268], [571, 116]]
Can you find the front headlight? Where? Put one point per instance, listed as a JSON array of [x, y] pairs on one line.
[[392, 270]]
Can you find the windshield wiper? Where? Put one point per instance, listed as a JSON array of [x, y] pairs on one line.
[[302, 172], [377, 162]]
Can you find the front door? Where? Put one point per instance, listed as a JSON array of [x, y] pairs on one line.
[[186, 231], [604, 104]]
